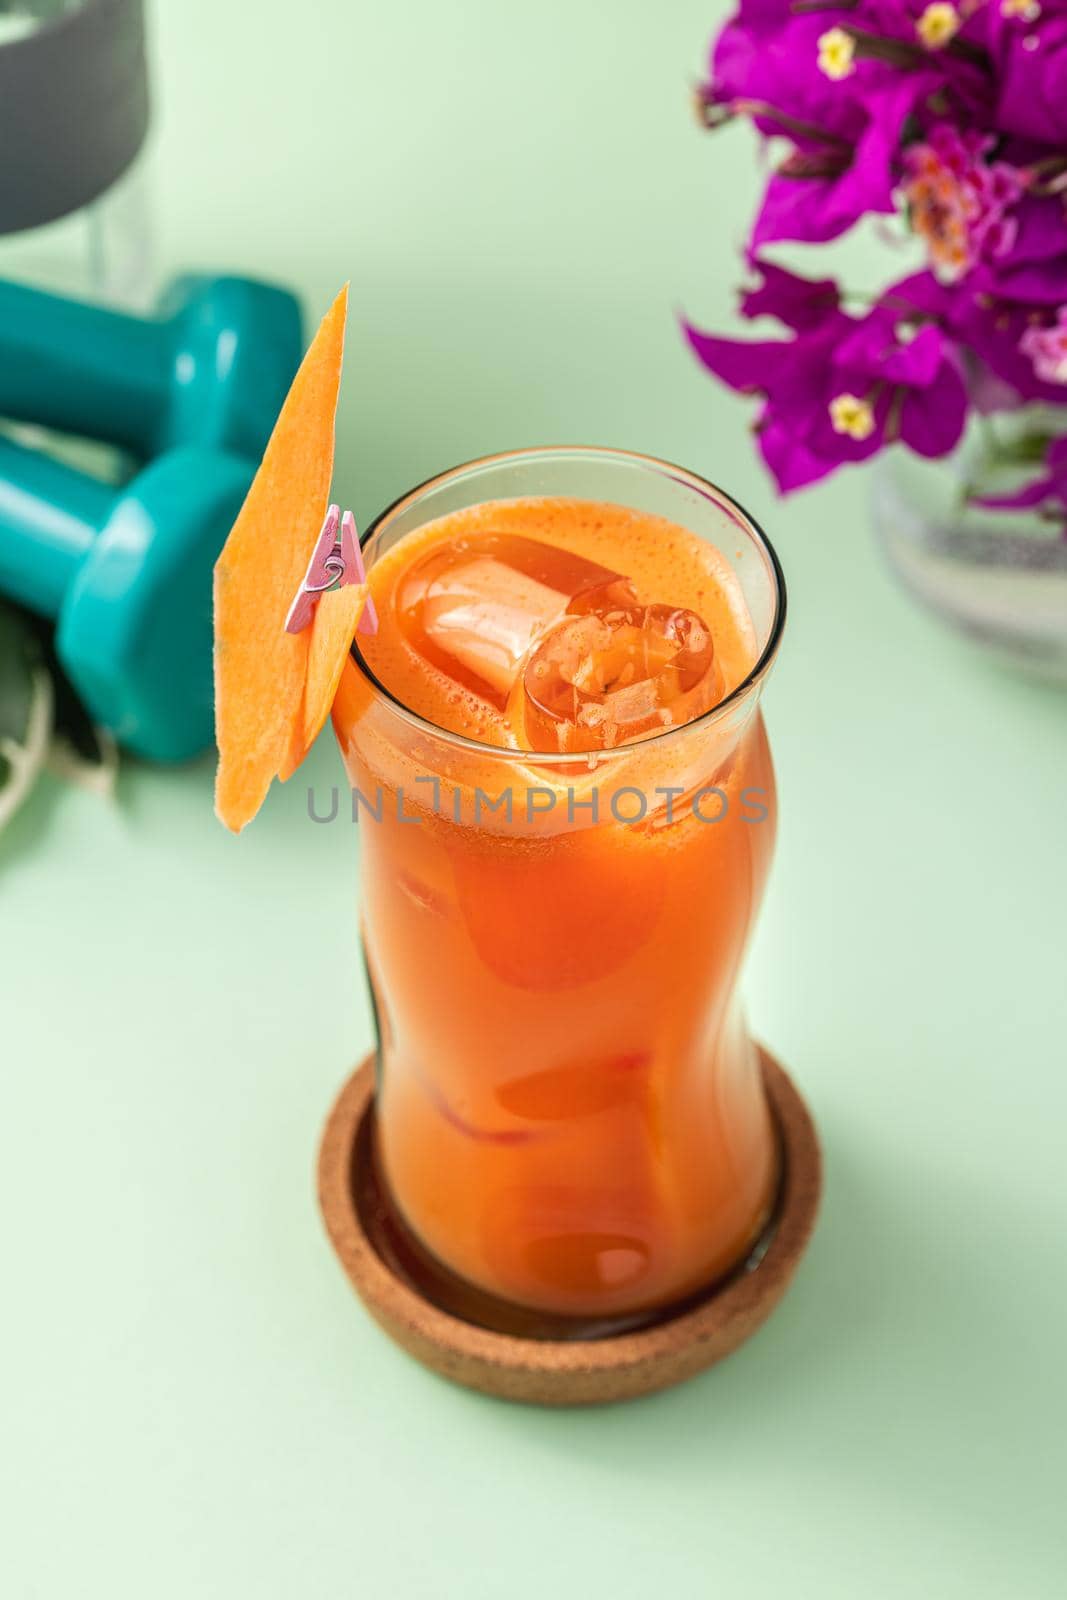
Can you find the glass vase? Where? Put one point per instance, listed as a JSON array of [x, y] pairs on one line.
[[997, 577]]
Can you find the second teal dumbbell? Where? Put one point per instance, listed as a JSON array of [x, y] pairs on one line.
[[211, 369], [127, 575]]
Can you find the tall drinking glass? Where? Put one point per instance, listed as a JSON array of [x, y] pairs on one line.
[[570, 1123]]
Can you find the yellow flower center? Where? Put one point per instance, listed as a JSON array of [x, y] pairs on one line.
[[849, 414], [837, 50], [938, 24], [1028, 10]]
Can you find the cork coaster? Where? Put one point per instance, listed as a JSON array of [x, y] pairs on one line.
[[551, 1371]]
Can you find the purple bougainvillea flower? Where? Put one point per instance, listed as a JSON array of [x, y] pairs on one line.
[[959, 202], [842, 389], [958, 110], [1027, 41], [914, 374], [800, 77], [1047, 349], [815, 199], [1000, 371], [798, 303], [1033, 269]]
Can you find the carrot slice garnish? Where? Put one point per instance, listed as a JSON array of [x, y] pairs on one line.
[[260, 669], [336, 620]]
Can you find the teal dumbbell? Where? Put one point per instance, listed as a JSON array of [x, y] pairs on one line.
[[210, 369], [126, 573]]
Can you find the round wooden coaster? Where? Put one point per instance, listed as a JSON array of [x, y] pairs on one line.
[[565, 1372]]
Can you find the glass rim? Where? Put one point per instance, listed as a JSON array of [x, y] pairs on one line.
[[608, 453]]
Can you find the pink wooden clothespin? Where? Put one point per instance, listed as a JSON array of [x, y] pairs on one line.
[[335, 560]]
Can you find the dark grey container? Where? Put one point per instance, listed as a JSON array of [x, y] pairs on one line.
[[73, 107]]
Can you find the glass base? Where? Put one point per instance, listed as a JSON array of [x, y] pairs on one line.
[[421, 1271]]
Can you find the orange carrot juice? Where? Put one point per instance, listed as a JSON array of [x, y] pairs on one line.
[[567, 814]]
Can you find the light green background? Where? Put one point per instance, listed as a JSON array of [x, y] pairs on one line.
[[193, 1405]]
